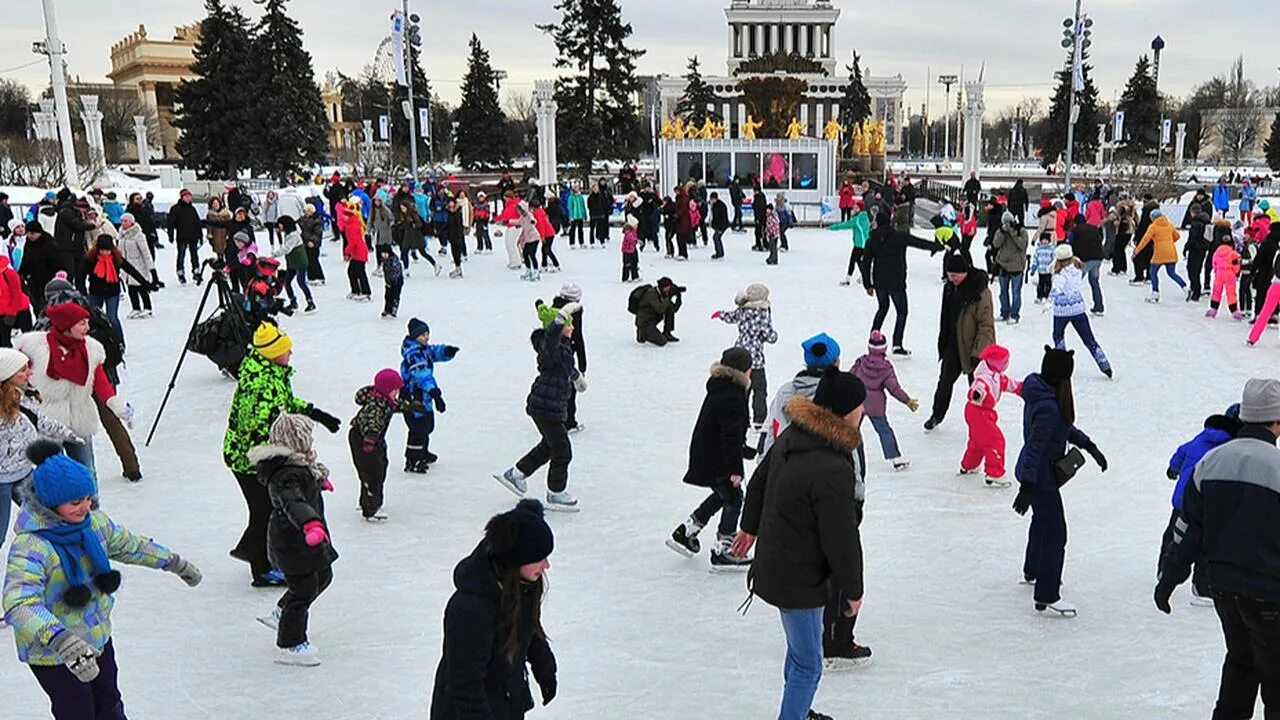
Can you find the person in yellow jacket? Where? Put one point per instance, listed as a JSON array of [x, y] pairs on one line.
[[1164, 237]]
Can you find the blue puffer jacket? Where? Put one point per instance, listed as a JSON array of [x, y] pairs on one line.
[[440, 209], [1045, 434], [1218, 429], [417, 369], [549, 395], [1222, 197]]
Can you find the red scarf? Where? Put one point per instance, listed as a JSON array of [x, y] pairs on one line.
[[106, 269], [68, 358]]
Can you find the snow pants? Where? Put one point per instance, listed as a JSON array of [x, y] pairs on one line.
[[1046, 543], [71, 699], [986, 441], [1221, 283], [253, 541], [554, 447], [295, 605], [371, 468], [418, 444], [1251, 629], [510, 237], [1265, 311]]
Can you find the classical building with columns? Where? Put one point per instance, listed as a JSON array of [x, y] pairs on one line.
[[766, 34], [155, 68]]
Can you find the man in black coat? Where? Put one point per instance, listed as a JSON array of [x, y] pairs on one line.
[[759, 213], [658, 304], [599, 207], [966, 328], [6, 214], [884, 275], [1018, 201], [736, 197], [716, 451], [972, 189], [39, 264], [186, 231], [1196, 249], [335, 193], [720, 223], [1086, 244], [69, 236]]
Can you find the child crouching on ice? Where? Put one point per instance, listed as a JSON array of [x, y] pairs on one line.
[[58, 590], [368, 437], [297, 533], [986, 442], [876, 372]]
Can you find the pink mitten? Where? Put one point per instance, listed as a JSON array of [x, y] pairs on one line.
[[716, 315], [315, 533], [326, 485]]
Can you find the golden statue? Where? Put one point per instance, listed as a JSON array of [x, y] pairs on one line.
[[709, 130], [877, 138], [795, 129], [681, 131], [833, 129], [667, 130], [857, 140], [749, 128], [717, 131]]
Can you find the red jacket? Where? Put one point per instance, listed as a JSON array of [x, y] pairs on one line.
[[540, 220], [1062, 222], [848, 196], [12, 300]]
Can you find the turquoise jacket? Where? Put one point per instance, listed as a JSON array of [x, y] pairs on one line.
[[577, 207], [860, 224]]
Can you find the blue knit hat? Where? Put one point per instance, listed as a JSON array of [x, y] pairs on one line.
[[417, 327], [820, 351], [57, 478]]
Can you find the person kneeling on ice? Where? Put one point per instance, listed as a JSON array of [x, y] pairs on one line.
[[1218, 430], [493, 634], [986, 442], [656, 304], [59, 587], [418, 360], [716, 451], [368, 436], [297, 533], [804, 506], [547, 405], [1044, 466], [876, 372]]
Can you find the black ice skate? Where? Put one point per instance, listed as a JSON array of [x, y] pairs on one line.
[[848, 658], [684, 543], [723, 561]]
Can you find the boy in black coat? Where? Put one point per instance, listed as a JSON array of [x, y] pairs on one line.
[[716, 451], [297, 534], [571, 293]]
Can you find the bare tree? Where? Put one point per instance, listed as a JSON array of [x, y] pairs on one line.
[[1242, 115], [522, 125]]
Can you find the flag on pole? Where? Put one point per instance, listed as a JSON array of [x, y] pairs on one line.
[[424, 123], [1117, 135], [1077, 58], [397, 47], [1166, 131], [384, 127]]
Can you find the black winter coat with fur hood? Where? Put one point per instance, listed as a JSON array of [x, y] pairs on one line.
[[716, 448], [296, 499]]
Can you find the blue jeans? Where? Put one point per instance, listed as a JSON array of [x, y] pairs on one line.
[[1171, 269], [1091, 270], [803, 670], [1085, 331], [888, 441], [81, 453], [1011, 295], [109, 304]]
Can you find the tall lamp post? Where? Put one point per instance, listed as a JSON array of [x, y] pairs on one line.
[[947, 81], [1157, 45], [1076, 38], [414, 37], [54, 49]]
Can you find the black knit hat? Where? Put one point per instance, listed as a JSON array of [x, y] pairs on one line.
[[736, 358], [1057, 365], [840, 392], [957, 264], [519, 536]]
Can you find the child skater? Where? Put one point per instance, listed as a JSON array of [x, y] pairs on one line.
[[480, 221], [393, 278], [876, 372], [58, 590], [630, 256], [986, 442], [368, 437], [418, 360], [1067, 297], [355, 251], [1042, 266], [754, 318], [1226, 271], [297, 534], [1248, 250]]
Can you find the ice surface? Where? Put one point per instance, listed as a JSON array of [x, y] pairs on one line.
[[640, 632]]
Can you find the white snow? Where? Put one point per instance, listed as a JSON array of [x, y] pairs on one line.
[[638, 631]]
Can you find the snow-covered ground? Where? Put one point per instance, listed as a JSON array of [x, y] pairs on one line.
[[639, 631]]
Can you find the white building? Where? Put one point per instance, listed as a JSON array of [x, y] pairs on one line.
[[780, 32]]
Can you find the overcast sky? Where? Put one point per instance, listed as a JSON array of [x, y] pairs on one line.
[[1017, 39]]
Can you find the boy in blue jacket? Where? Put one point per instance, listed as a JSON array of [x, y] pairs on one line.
[[417, 369]]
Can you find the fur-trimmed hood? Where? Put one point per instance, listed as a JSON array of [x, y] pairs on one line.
[[270, 458], [755, 295], [823, 424], [728, 373]]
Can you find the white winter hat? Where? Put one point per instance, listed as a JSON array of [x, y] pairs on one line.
[[571, 292], [11, 362], [1064, 252]]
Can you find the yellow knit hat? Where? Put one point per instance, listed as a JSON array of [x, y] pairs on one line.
[[270, 342]]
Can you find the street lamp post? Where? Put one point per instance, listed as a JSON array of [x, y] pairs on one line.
[[54, 49], [1076, 39], [1157, 45], [414, 37], [947, 81]]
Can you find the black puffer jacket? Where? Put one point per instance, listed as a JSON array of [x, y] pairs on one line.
[[1086, 241], [801, 505], [884, 262], [295, 501], [715, 450], [474, 680], [549, 395], [184, 223]]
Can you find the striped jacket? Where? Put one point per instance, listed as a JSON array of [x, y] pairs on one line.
[[35, 582]]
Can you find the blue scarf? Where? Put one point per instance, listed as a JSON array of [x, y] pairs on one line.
[[72, 541]]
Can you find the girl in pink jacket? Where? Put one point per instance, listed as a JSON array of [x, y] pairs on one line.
[[986, 441], [1226, 269], [876, 372]]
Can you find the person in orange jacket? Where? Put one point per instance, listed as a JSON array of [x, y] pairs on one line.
[[1163, 237]]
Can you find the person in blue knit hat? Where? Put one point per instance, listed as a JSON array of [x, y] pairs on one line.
[[820, 352], [59, 584], [418, 358]]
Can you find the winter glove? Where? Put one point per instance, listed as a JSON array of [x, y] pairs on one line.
[[122, 410], [748, 452], [329, 422], [716, 315], [9, 320], [437, 399], [79, 656], [1162, 595], [156, 285], [315, 533], [1172, 473], [450, 351], [326, 485], [1022, 502], [566, 312], [189, 573], [1097, 455], [368, 445], [548, 691], [580, 383], [913, 404]]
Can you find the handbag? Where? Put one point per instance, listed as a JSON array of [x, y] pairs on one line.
[[1068, 465]]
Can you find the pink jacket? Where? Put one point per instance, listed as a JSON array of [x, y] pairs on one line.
[[877, 374], [1260, 228], [1095, 212], [1226, 262], [989, 386], [630, 239]]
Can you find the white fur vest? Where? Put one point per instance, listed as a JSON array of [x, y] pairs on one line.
[[64, 401]]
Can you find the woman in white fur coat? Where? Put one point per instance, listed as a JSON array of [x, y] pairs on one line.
[[67, 371]]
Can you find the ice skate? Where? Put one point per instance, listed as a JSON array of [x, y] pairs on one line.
[[310, 308], [438, 269], [1027, 580], [1011, 321], [813, 715], [272, 578], [417, 467], [1061, 608], [847, 281], [900, 464], [1097, 313], [133, 315], [562, 502], [932, 423], [1153, 298], [684, 539], [377, 517], [303, 655], [271, 620], [513, 480], [1188, 296], [146, 315], [577, 428], [133, 475], [850, 658], [455, 273], [962, 472], [182, 279], [997, 483], [1237, 315], [723, 561], [901, 352], [1211, 313], [1198, 600]]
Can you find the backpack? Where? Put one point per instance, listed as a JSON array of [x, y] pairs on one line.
[[633, 300]]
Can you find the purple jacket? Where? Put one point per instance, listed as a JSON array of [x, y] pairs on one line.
[[876, 372]]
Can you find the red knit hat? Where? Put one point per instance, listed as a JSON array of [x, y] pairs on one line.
[[387, 382], [66, 315], [997, 357]]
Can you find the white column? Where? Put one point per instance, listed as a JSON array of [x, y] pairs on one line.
[[804, 116], [92, 119], [759, 28], [788, 38], [1180, 144], [545, 109], [820, 121], [773, 37], [733, 41], [140, 138], [826, 41], [831, 40], [804, 40]]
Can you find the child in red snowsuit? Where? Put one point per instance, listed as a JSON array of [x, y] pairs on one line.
[[986, 442]]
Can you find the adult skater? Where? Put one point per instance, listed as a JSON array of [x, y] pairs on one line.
[[802, 511], [884, 275], [967, 327], [820, 352], [263, 391], [1067, 296], [547, 406], [493, 634], [716, 451], [1010, 247], [1163, 237], [656, 304], [1048, 424], [1086, 245], [186, 231], [1226, 530]]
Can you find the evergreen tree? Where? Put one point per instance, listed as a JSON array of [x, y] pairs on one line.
[[596, 115], [698, 102], [1273, 145], [214, 111], [290, 130], [1141, 105], [855, 106], [481, 138], [1053, 142]]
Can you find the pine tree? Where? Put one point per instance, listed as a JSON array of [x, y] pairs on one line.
[[596, 115], [1053, 142], [698, 102], [214, 110], [290, 129], [481, 138], [1141, 105], [1273, 145], [855, 106]]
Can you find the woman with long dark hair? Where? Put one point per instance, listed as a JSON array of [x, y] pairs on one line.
[[493, 623]]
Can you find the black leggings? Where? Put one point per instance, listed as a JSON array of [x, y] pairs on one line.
[[531, 255], [855, 256], [548, 253], [359, 280], [139, 297]]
